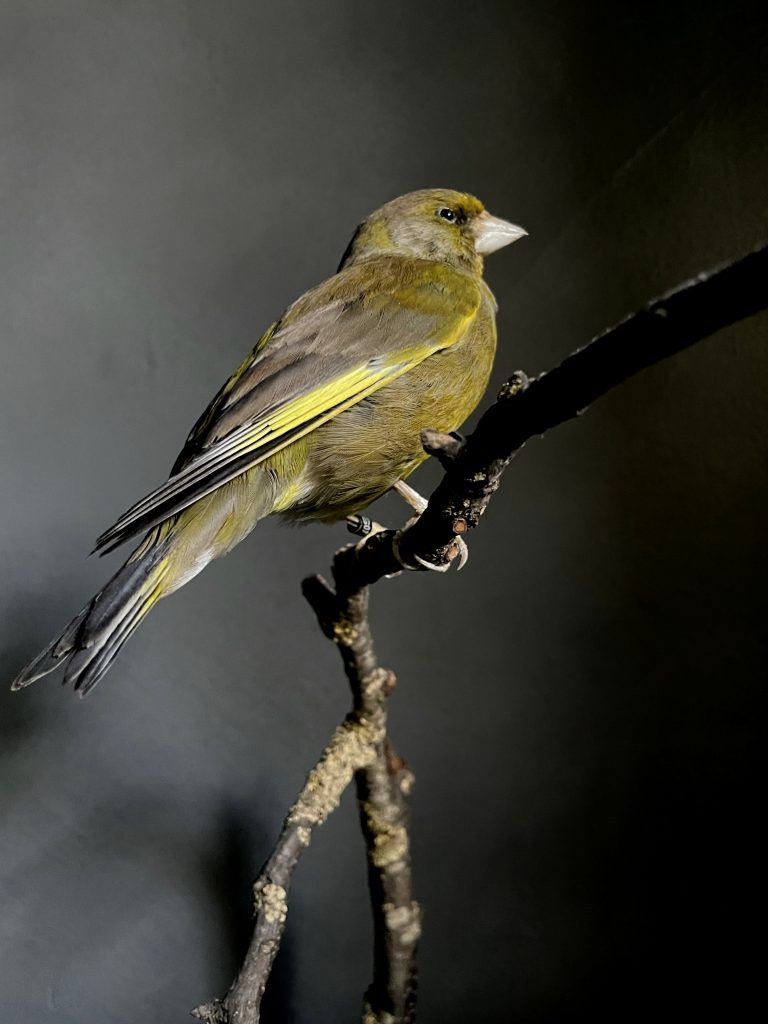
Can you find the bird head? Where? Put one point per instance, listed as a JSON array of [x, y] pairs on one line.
[[436, 224]]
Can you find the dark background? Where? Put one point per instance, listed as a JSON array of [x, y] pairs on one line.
[[581, 706]]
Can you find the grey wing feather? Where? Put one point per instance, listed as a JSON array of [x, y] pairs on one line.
[[329, 336]]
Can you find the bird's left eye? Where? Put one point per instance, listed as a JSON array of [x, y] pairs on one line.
[[447, 214]]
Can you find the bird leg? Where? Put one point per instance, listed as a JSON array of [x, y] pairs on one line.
[[411, 497], [365, 528], [418, 504]]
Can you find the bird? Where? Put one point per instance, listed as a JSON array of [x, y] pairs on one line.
[[321, 418]]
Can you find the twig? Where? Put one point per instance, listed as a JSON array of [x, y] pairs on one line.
[[353, 745], [360, 747], [383, 785], [382, 792], [525, 409]]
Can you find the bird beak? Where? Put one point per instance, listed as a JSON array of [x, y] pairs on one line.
[[492, 233]]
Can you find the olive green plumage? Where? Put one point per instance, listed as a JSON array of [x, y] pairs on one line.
[[321, 418]]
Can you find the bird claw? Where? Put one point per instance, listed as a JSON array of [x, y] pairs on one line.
[[431, 565], [418, 504], [463, 554], [365, 527]]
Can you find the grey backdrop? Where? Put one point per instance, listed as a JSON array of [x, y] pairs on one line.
[[580, 705]]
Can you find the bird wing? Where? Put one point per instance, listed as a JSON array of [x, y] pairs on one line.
[[333, 347]]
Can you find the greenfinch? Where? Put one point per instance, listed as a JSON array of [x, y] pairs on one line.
[[320, 419]]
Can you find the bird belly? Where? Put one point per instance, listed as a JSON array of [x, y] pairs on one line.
[[349, 462]]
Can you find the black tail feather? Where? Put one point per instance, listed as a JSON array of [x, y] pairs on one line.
[[92, 640], [50, 659]]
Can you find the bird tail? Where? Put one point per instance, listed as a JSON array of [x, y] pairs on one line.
[[90, 642]]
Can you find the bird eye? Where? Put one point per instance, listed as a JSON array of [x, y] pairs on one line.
[[447, 214]]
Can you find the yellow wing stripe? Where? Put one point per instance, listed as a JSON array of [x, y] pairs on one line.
[[249, 442], [250, 436], [309, 411]]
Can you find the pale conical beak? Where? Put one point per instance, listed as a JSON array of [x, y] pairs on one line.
[[492, 233]]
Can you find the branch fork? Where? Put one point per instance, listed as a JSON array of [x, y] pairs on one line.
[[360, 748]]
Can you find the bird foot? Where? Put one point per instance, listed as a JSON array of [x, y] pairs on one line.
[[462, 555], [365, 527], [418, 503]]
